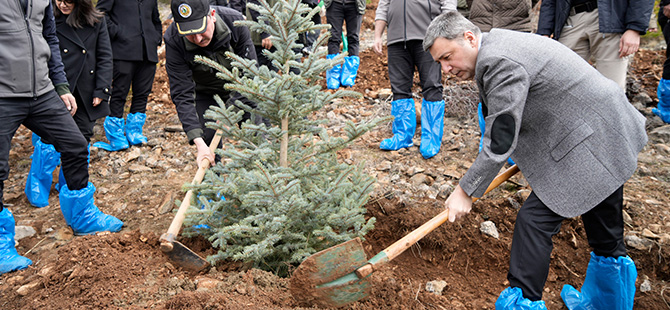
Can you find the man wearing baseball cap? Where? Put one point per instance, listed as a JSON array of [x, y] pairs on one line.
[[201, 29]]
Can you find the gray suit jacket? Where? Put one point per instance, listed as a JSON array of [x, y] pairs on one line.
[[570, 130]]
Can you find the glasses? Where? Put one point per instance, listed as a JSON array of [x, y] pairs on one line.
[[68, 2]]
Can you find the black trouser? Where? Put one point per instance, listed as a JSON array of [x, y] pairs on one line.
[[535, 226], [336, 14], [47, 117], [663, 22], [139, 75], [402, 58], [84, 123]]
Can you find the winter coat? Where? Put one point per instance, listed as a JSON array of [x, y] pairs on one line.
[[614, 16], [505, 14], [408, 19], [87, 56], [30, 64], [188, 77], [134, 28]]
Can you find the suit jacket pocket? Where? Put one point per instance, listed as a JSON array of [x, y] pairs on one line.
[[571, 140]]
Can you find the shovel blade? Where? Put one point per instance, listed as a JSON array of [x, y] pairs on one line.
[[186, 258], [327, 278]]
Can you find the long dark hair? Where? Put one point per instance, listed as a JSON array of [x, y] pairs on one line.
[[83, 13]]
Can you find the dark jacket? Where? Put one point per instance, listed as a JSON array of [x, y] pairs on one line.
[[87, 56], [29, 58], [187, 77], [134, 28], [614, 16]]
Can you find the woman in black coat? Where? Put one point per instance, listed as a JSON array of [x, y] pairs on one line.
[[87, 56]]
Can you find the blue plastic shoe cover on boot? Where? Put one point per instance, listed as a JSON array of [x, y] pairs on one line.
[[482, 128], [663, 93], [432, 127], [350, 70], [115, 133], [80, 212], [61, 176], [512, 299], [38, 183], [334, 74], [10, 260], [134, 124], [609, 284], [404, 125]]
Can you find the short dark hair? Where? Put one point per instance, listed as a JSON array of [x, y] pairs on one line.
[[451, 26], [83, 13]]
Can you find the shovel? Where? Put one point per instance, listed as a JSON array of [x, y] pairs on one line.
[[338, 275], [175, 250]]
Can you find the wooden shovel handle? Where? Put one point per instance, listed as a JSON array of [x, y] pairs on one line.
[[406, 242], [169, 237]]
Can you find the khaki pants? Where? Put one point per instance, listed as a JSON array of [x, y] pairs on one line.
[[581, 34]]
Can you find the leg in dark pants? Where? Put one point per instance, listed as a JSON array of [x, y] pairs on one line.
[[335, 16], [353, 21], [84, 123], [531, 247], [140, 75], [604, 226], [430, 73], [52, 122], [401, 70]]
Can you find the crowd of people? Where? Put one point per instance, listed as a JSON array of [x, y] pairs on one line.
[[552, 102]]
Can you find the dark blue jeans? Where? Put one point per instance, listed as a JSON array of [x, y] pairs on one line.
[[536, 225], [336, 14], [402, 58], [47, 117]]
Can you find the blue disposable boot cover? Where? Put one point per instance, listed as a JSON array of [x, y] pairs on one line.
[[61, 176], [115, 133], [350, 70], [512, 299], [404, 125], [10, 260], [482, 128], [432, 127], [663, 108], [38, 183], [134, 124], [80, 212], [334, 74], [609, 284]]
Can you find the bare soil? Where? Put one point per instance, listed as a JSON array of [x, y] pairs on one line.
[[127, 270]]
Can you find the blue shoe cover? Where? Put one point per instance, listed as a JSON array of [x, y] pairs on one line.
[[609, 284], [114, 131], [80, 212], [61, 177], [663, 93], [350, 70], [334, 74], [482, 128], [404, 125], [432, 127], [512, 299], [38, 183], [134, 124], [10, 260]]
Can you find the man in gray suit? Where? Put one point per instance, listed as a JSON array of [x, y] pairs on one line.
[[574, 135]]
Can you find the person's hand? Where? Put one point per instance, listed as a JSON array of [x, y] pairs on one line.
[[266, 43], [666, 11], [377, 45], [203, 152], [458, 204], [96, 101], [629, 43], [70, 103]]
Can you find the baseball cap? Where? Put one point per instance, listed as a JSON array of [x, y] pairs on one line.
[[190, 15]]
